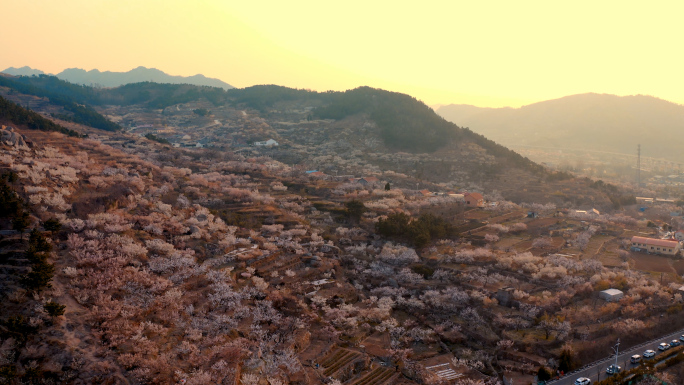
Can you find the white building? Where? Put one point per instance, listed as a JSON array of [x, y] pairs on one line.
[[611, 295], [267, 143]]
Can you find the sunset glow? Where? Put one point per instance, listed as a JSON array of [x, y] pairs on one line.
[[483, 53]]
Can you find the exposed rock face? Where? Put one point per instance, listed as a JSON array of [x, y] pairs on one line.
[[11, 138]]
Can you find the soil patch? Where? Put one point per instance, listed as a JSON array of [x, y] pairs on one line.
[[656, 263]]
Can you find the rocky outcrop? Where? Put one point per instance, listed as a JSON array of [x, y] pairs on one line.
[[11, 138]]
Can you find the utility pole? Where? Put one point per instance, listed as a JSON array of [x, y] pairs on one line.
[[616, 349], [638, 165]]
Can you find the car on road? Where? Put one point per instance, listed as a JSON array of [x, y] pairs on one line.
[[613, 369], [649, 354], [663, 346], [681, 337], [635, 359], [674, 343], [582, 381]]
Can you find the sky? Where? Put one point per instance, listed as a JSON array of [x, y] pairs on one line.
[[485, 53]]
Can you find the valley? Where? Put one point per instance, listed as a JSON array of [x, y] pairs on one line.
[[190, 249]]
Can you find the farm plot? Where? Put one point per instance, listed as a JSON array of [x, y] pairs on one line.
[[538, 224], [646, 262], [476, 214], [337, 360], [505, 243], [609, 259], [679, 267], [377, 376], [596, 243]]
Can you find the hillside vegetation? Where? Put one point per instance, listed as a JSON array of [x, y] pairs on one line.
[[72, 98], [11, 112], [151, 95], [404, 123], [123, 260]]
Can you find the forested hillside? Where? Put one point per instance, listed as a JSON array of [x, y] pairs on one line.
[[12, 113], [404, 123], [72, 98], [151, 95]]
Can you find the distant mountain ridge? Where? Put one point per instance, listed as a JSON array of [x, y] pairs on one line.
[[591, 121], [115, 79], [23, 71]]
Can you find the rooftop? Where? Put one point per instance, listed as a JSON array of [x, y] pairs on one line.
[[612, 291], [655, 242]]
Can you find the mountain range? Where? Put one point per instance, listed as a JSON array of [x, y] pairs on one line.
[[597, 122], [115, 79]]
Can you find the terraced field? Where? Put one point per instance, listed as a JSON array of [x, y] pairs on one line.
[[337, 360], [377, 376]]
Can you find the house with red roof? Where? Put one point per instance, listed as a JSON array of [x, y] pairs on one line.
[[368, 180], [317, 175], [656, 246], [473, 199]]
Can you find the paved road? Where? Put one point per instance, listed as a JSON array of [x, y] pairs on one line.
[[597, 370]]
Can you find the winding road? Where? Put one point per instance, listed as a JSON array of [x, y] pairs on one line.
[[596, 371]]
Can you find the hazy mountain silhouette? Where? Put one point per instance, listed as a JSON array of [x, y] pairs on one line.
[[590, 121], [23, 71], [115, 79], [136, 75]]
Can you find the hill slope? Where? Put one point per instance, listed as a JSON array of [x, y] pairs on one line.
[[589, 121], [404, 123], [71, 98]]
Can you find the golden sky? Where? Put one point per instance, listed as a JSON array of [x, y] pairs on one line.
[[486, 53]]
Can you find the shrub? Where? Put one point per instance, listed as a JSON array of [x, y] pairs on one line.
[[543, 374], [423, 270], [52, 225], [54, 309]]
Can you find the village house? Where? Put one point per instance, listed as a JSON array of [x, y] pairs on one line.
[[317, 174], [456, 195], [368, 180], [474, 199], [644, 200], [656, 246], [679, 235]]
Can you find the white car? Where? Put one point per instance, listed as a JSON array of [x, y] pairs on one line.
[[613, 369], [635, 359], [663, 346], [682, 337], [582, 381], [649, 353]]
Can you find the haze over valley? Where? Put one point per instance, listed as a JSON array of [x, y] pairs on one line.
[[598, 130]]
